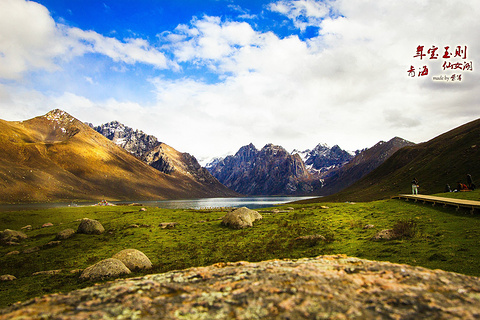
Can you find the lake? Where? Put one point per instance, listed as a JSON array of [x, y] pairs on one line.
[[249, 202]]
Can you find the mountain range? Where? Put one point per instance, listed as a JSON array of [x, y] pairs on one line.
[[57, 157], [319, 171], [445, 159]]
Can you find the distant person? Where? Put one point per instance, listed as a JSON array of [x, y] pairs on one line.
[[414, 186], [447, 188], [461, 187], [470, 183]]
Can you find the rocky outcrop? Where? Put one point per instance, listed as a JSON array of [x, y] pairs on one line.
[[269, 171], [333, 287], [65, 234]]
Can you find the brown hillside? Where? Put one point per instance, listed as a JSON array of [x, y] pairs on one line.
[[447, 158], [57, 157]]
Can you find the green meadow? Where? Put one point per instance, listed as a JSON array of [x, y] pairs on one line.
[[437, 238]]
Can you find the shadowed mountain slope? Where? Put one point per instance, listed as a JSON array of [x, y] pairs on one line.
[[447, 158], [57, 157]]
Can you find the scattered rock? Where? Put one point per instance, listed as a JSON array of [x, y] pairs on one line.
[[8, 236], [290, 208], [105, 269], [241, 218], [27, 227], [12, 253], [31, 250], [76, 270], [133, 226], [311, 237], [53, 243], [48, 224], [48, 272], [168, 225], [143, 209], [324, 207], [387, 234], [133, 259], [65, 234], [333, 287], [7, 277], [369, 226], [90, 226]]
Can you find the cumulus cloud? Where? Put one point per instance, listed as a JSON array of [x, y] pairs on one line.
[[346, 86], [31, 40], [303, 13]]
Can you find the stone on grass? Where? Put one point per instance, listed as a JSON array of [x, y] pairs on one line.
[[11, 236], [133, 259], [369, 226], [107, 268], [168, 225], [387, 234], [90, 226], [48, 224], [48, 272], [65, 234], [7, 277], [241, 218], [12, 253], [27, 227]]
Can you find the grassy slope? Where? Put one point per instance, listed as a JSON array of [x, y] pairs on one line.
[[446, 239], [447, 158]]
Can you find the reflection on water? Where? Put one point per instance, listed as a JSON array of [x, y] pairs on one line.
[[250, 202]]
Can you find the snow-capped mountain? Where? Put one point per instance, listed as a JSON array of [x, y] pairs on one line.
[[159, 155], [323, 158]]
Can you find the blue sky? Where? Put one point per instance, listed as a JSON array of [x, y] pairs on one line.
[[207, 77]]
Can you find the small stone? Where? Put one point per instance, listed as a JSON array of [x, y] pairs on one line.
[[7, 277], [48, 224], [387, 234], [12, 253], [143, 209], [168, 225], [27, 227], [65, 234], [369, 226], [31, 250], [52, 243], [48, 272]]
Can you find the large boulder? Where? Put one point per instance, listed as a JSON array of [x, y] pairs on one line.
[[326, 287], [133, 259], [11, 236], [241, 218], [107, 268], [90, 226]]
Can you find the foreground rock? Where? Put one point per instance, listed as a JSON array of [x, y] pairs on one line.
[[333, 287], [90, 226], [133, 259], [107, 268], [241, 218]]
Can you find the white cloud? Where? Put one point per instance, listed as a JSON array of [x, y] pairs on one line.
[[348, 86], [303, 13], [31, 40]]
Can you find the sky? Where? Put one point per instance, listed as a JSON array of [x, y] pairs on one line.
[[207, 77]]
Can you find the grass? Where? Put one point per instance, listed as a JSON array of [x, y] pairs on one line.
[[443, 239]]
